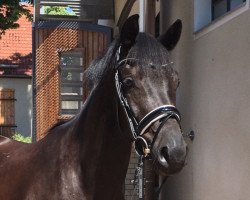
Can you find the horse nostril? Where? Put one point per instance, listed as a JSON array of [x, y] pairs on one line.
[[165, 153]]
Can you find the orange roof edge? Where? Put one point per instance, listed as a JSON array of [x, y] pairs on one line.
[[16, 48]]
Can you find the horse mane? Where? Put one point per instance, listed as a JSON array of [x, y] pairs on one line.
[[99, 67]]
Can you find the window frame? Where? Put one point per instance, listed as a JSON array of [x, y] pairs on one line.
[[229, 9], [201, 29], [67, 113]]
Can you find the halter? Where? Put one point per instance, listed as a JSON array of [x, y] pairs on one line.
[[138, 129]]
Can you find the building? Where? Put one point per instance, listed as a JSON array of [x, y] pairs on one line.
[[15, 79], [212, 58]]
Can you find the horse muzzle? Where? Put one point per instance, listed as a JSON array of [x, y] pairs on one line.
[[170, 149], [170, 160]]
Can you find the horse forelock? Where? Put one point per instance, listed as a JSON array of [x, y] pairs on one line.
[[147, 50]]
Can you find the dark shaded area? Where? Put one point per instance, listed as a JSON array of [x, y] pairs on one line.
[[16, 65]]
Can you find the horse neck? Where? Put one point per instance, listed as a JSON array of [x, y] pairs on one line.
[[105, 151]]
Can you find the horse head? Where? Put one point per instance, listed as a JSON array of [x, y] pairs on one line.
[[146, 84]]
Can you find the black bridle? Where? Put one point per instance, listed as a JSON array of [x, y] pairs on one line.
[[161, 114]]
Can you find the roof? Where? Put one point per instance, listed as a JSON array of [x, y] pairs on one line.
[[16, 49]]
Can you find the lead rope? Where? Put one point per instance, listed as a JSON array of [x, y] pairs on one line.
[[138, 179], [133, 194], [140, 182]]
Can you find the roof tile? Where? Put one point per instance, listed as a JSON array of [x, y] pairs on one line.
[[16, 48]]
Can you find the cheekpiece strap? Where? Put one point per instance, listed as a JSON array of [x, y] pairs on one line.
[[132, 121]]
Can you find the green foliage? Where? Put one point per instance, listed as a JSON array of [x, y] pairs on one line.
[[10, 12], [57, 10], [21, 138]]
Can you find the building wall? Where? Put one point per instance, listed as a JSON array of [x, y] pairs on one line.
[[214, 101], [23, 103], [119, 4]]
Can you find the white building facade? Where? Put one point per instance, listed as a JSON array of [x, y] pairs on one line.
[[22, 89], [213, 62]]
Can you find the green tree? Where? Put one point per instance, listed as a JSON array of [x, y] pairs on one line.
[[10, 12], [57, 10]]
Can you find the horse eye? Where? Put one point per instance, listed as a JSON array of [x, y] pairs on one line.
[[130, 63], [128, 83]]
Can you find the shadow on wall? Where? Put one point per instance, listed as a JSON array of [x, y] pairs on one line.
[[16, 64]]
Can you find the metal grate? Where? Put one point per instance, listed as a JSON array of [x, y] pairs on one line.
[[87, 9]]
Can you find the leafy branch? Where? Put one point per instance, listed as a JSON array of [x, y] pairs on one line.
[[10, 12]]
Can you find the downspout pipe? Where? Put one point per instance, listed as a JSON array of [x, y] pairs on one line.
[[142, 6], [33, 128]]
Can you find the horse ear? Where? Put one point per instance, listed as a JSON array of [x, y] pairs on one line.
[[171, 37], [129, 30]]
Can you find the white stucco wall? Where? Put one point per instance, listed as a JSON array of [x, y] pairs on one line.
[[213, 98], [119, 4], [23, 103]]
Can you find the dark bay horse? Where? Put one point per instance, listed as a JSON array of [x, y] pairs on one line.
[[132, 99]]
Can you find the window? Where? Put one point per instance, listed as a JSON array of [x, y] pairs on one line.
[[207, 11], [71, 86], [221, 7]]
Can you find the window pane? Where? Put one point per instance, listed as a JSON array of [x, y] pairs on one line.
[[70, 105], [70, 75], [236, 3], [71, 60], [219, 8], [71, 91]]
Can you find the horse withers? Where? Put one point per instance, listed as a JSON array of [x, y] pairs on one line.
[[133, 89]]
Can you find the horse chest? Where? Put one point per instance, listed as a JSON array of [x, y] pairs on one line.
[[71, 186]]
